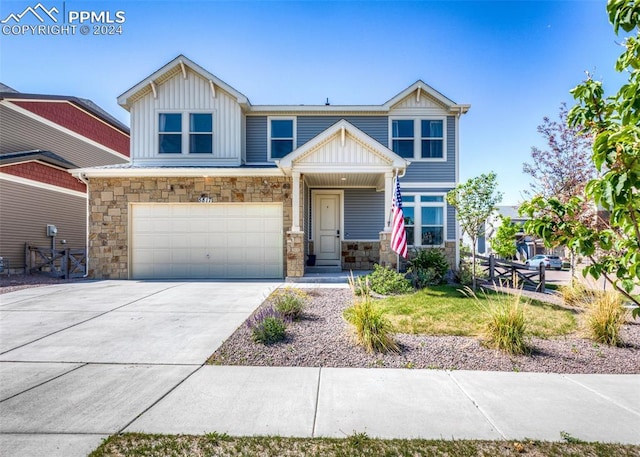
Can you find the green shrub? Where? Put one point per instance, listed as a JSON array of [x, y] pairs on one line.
[[605, 316], [386, 281], [506, 328], [428, 267], [290, 302], [464, 274], [267, 326], [373, 330]]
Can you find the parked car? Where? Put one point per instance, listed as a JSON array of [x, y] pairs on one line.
[[550, 261]]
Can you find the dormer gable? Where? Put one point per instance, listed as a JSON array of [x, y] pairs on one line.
[[421, 97], [181, 65], [183, 115]]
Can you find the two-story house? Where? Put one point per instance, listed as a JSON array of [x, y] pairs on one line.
[[42, 136], [220, 188]]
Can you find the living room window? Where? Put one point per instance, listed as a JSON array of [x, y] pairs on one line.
[[281, 136], [418, 138], [424, 219], [185, 132]]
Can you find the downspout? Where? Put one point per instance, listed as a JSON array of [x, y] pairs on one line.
[[84, 180]]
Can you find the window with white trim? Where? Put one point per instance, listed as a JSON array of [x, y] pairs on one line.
[[432, 146], [281, 136], [418, 138], [424, 216], [191, 133]]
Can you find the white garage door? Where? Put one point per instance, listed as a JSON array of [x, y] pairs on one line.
[[206, 240]]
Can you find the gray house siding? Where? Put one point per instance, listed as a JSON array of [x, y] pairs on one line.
[[377, 127], [420, 171], [18, 226], [256, 139], [363, 214], [308, 127], [451, 223]]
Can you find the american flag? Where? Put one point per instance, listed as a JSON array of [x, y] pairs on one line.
[[398, 232]]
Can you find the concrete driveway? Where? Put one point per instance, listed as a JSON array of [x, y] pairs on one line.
[[81, 361]]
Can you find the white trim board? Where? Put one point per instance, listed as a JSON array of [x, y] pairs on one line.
[[41, 185]]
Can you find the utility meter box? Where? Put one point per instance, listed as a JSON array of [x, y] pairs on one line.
[[52, 230]]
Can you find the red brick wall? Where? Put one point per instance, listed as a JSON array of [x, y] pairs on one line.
[[70, 116], [46, 174]]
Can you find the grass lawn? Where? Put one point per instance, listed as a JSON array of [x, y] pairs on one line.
[[444, 310], [359, 444]]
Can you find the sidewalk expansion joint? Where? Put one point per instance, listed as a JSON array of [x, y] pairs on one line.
[[486, 416], [86, 320], [601, 395], [315, 410], [45, 382], [162, 397]]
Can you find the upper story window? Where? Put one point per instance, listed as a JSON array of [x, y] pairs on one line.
[[180, 132], [402, 137], [170, 128], [419, 139], [432, 139], [424, 219], [200, 133], [282, 136]]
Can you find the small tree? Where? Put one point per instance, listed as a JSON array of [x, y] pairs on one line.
[[565, 166], [474, 202], [614, 250], [504, 242]]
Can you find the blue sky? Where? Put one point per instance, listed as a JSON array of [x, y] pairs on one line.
[[513, 61]]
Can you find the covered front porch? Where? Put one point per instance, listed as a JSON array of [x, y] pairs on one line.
[[342, 185]]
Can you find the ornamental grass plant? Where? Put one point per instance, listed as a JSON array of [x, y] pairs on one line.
[[373, 330], [604, 317], [506, 327]]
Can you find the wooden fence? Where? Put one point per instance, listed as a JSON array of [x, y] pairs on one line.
[[513, 273], [59, 263]]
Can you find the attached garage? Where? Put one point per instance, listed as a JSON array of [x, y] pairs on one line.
[[206, 240]]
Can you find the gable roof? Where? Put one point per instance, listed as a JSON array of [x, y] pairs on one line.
[[82, 103], [347, 132], [39, 155], [421, 86], [181, 61]]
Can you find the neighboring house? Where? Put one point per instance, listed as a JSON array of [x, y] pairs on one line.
[[41, 137], [527, 245], [220, 188]]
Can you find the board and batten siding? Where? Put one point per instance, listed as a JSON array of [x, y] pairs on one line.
[[430, 171], [17, 226], [308, 127], [363, 214], [192, 94]]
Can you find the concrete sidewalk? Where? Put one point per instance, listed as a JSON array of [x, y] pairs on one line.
[[82, 362]]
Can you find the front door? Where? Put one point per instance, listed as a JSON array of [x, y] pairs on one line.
[[326, 228]]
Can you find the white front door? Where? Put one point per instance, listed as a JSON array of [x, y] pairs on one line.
[[326, 227]]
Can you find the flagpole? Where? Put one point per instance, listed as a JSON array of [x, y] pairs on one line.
[[395, 182]]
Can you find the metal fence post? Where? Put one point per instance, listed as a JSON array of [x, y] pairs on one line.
[[542, 286]]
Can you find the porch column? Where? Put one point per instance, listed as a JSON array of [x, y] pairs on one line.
[[388, 192], [295, 211]]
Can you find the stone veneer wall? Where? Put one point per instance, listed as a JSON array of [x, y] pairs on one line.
[[388, 258], [109, 200], [295, 254], [360, 255]]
